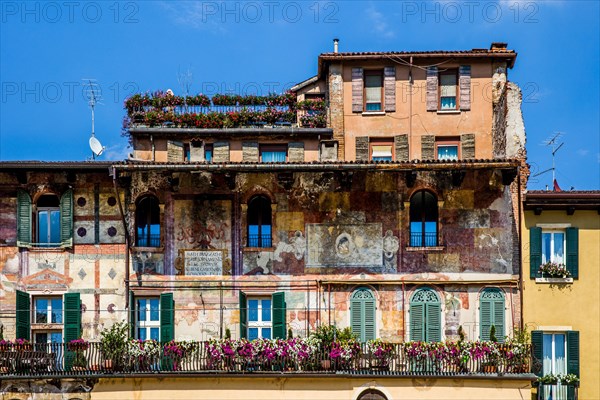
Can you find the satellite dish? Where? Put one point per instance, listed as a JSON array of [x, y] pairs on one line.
[[96, 146]]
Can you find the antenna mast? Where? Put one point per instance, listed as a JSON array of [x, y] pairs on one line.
[[92, 92], [553, 143]]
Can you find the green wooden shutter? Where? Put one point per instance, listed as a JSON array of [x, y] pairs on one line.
[[23, 219], [72, 324], [485, 319], [498, 319], [279, 320], [167, 317], [369, 320], [72, 312], [433, 321], [243, 315], [132, 315], [535, 251], [537, 340], [356, 317], [23, 314], [573, 252], [573, 352], [66, 219], [417, 322]]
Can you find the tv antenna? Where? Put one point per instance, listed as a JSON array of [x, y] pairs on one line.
[[92, 92], [553, 143], [185, 82]]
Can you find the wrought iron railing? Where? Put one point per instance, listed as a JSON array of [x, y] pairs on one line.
[[61, 359], [152, 240], [418, 239], [258, 240], [556, 391]]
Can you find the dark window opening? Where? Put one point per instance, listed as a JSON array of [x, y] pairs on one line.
[[423, 219], [48, 220], [259, 222], [147, 222]]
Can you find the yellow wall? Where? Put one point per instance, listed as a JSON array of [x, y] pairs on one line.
[[575, 305], [307, 387]]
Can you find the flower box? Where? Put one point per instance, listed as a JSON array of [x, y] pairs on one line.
[[553, 280]]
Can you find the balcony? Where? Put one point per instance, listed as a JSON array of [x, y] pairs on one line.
[[222, 111], [292, 356]]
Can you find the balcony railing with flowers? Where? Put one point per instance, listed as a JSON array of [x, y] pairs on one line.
[[160, 109], [297, 355]]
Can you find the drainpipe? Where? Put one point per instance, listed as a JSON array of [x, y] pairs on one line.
[[153, 149], [520, 238], [410, 83], [127, 241]]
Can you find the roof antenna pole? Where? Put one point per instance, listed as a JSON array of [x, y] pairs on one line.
[[93, 97]]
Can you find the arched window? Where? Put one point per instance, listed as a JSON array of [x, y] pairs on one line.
[[147, 222], [491, 312], [259, 222], [425, 316], [423, 219], [362, 314], [372, 394]]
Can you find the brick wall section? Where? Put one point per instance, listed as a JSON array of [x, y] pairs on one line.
[[467, 144], [336, 107], [401, 147], [427, 147], [250, 152], [296, 152], [221, 152]]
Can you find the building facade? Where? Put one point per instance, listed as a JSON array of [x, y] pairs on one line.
[[561, 308], [381, 195]]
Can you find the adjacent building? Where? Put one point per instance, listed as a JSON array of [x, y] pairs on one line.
[[561, 308]]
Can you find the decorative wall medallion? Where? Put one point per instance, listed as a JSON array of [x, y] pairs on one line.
[[111, 201], [112, 231], [82, 274], [81, 232], [81, 201], [112, 273], [344, 245], [111, 308]]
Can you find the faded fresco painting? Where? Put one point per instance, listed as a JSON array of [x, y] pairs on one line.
[[344, 245]]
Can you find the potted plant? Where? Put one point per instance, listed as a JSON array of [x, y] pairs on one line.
[[113, 344], [380, 353], [554, 270], [78, 346]]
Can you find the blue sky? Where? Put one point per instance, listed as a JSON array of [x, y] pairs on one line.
[[47, 48]]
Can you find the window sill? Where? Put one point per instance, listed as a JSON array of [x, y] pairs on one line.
[[148, 249], [553, 280], [258, 249], [448, 111], [46, 327], [430, 249], [35, 247], [371, 113]]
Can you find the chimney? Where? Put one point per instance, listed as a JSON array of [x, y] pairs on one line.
[[336, 41], [498, 46]]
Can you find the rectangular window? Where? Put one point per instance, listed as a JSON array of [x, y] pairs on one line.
[[381, 150], [447, 148], [273, 153], [373, 90], [260, 323], [48, 226], [208, 152], [553, 246], [554, 362], [147, 318], [448, 90], [48, 310]]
